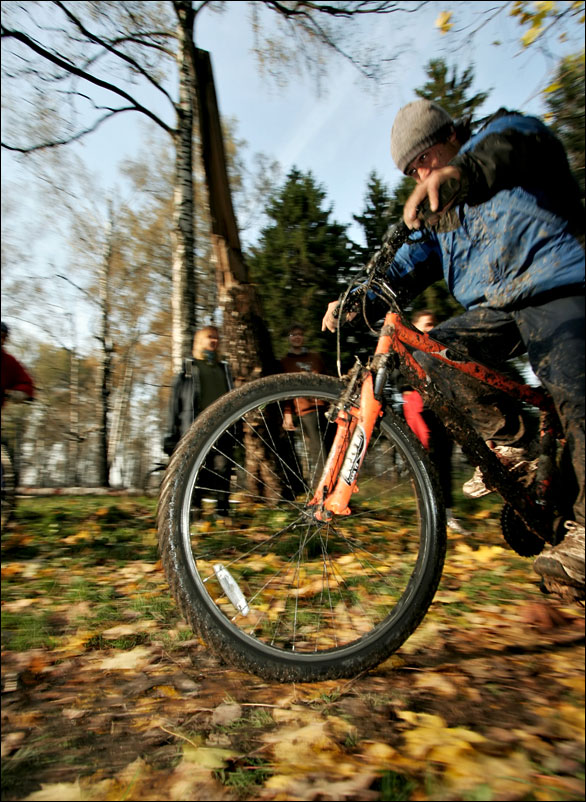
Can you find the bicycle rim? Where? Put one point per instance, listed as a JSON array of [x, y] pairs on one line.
[[275, 583]]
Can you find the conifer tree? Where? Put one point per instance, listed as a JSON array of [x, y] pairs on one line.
[[565, 102], [375, 218], [298, 260]]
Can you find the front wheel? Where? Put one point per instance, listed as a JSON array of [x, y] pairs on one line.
[[265, 585]]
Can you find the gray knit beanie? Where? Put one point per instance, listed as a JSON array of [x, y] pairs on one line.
[[417, 126]]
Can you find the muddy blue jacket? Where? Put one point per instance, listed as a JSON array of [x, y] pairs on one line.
[[518, 232]]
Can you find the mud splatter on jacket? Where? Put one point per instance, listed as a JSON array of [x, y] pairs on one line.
[[517, 234]]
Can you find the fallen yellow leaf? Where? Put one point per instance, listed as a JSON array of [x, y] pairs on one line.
[[436, 682], [134, 660], [383, 757], [507, 777], [125, 630], [18, 604], [81, 535], [208, 757], [11, 569], [62, 792], [167, 690]]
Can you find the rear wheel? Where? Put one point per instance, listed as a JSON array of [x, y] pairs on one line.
[[262, 582]]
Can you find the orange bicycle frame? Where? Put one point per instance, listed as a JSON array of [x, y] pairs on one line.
[[356, 421]]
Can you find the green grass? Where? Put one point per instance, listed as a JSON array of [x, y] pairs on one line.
[[246, 777], [24, 631], [395, 787], [65, 553]]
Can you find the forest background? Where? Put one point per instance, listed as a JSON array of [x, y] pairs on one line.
[[90, 247]]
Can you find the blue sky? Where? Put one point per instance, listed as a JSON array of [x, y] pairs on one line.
[[343, 134]]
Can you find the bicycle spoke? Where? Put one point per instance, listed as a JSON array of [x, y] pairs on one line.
[[275, 573]]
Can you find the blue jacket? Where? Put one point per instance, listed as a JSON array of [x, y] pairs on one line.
[[517, 233]]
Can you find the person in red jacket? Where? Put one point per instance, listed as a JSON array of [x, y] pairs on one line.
[[431, 432], [17, 385]]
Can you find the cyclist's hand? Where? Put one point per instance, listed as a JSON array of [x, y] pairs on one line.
[[288, 424], [330, 321], [429, 188]]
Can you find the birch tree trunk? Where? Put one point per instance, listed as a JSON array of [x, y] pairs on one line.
[[103, 463], [120, 412], [183, 241], [73, 449]]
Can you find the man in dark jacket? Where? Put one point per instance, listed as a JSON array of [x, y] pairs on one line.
[[203, 380], [510, 247]]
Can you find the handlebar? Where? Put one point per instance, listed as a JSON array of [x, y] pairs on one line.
[[396, 236]]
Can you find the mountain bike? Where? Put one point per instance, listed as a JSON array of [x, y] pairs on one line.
[[323, 569]]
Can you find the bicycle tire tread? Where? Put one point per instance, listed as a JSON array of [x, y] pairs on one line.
[[195, 611]]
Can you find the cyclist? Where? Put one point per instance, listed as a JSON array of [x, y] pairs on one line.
[[17, 385], [510, 247]]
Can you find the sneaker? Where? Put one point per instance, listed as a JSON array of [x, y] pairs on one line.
[[455, 526], [512, 457], [564, 564], [475, 487]]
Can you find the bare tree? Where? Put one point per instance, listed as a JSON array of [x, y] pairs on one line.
[[87, 62]]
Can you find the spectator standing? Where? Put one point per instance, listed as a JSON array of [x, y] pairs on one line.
[[203, 380], [431, 432], [309, 411]]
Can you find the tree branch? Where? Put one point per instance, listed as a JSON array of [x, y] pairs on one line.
[[306, 16], [73, 70], [129, 60], [74, 137], [345, 11], [77, 287]]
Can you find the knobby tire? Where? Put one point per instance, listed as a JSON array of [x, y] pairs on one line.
[[266, 586]]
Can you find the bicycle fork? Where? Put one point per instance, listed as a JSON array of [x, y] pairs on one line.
[[355, 423]]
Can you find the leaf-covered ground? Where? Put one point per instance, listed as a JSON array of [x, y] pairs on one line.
[[107, 695]]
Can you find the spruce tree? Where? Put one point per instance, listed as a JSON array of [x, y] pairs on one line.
[[565, 102], [375, 218], [298, 261]]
